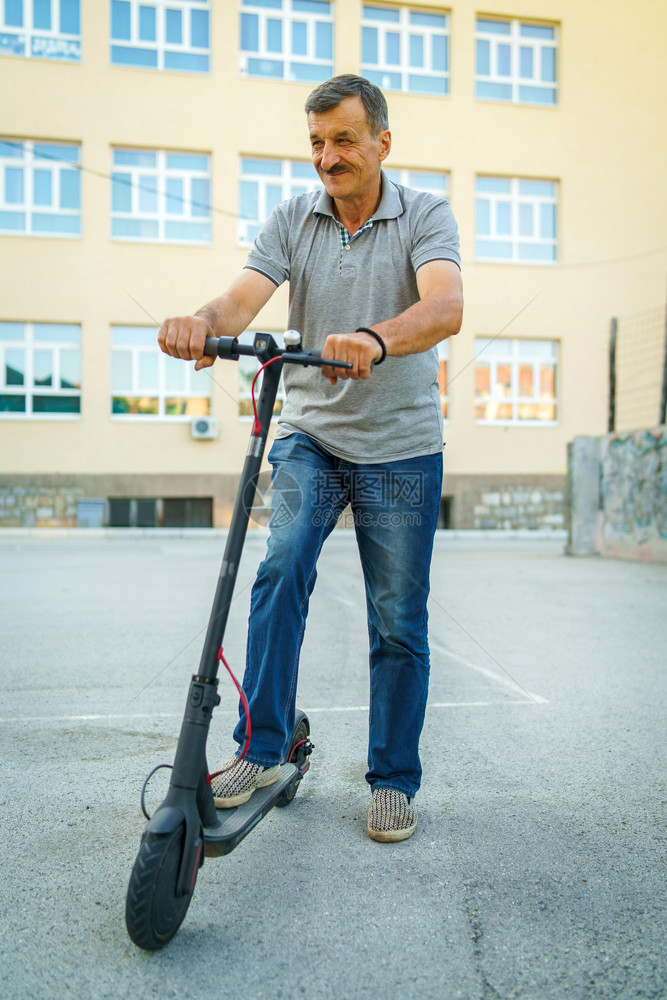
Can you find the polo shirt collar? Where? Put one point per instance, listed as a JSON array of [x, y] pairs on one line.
[[390, 206]]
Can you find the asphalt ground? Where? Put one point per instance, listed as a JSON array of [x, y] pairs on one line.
[[538, 867]]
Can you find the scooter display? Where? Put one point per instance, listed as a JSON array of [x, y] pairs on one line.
[[187, 827]]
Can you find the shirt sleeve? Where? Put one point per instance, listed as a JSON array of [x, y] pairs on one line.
[[269, 253], [435, 235]]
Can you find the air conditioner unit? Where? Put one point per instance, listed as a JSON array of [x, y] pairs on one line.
[[204, 428]]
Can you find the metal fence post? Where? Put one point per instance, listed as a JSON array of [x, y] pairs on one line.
[[612, 375], [662, 416]]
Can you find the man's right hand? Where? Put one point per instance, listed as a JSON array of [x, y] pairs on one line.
[[184, 337]]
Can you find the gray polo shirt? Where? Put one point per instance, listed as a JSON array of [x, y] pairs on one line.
[[396, 413]]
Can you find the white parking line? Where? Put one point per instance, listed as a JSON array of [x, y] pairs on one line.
[[502, 679], [330, 710], [91, 718]]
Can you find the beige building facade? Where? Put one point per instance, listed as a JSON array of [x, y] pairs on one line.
[[142, 144]]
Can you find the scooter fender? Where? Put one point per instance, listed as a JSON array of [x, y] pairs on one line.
[[166, 820]]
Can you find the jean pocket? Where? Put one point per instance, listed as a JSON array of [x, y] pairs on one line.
[[280, 449]]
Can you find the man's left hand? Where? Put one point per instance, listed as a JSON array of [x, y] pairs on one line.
[[359, 349]]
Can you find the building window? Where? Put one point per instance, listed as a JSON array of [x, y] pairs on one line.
[[248, 368], [434, 182], [437, 183], [443, 357], [287, 39], [515, 381], [516, 62], [405, 49], [160, 197], [162, 34], [40, 370], [40, 188], [264, 184], [515, 220], [160, 512], [41, 29], [147, 383]]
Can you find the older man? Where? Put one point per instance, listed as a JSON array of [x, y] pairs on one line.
[[374, 279]]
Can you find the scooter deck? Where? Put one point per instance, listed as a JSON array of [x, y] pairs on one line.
[[234, 824]]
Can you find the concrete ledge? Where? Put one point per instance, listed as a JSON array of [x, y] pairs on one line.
[[518, 535]]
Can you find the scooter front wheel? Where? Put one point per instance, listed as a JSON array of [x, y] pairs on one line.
[[153, 910]]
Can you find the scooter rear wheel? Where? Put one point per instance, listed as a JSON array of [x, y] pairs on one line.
[[300, 735], [153, 911]]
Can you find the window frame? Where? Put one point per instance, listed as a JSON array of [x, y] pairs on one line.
[[443, 366], [406, 176], [515, 40], [288, 16], [516, 199], [32, 163], [30, 42], [29, 345], [160, 46], [160, 392], [379, 72], [515, 360], [159, 174], [289, 184]]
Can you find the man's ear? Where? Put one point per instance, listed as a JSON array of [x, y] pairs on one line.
[[384, 140]]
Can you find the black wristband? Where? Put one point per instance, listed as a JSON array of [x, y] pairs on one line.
[[364, 329]]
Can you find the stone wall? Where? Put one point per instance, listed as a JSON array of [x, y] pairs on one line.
[[490, 502], [633, 516], [39, 506], [519, 507], [618, 495], [52, 500], [506, 502]]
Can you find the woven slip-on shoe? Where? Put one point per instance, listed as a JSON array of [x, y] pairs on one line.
[[391, 817], [239, 779]]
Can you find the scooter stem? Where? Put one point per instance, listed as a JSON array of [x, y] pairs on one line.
[[208, 666]]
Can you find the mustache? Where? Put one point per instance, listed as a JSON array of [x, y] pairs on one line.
[[335, 170]]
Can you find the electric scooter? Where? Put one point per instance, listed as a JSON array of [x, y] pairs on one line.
[[187, 827]]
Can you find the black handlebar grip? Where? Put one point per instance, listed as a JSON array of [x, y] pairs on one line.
[[225, 347]]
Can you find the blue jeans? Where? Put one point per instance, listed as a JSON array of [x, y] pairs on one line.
[[395, 510]]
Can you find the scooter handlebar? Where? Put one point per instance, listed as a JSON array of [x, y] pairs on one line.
[[264, 348]]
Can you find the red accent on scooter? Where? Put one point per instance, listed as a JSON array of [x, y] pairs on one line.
[[196, 864], [246, 709], [257, 427]]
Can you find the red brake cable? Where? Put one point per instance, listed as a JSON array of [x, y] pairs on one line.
[[257, 427], [248, 732]]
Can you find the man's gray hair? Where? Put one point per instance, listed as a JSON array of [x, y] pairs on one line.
[[329, 95]]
